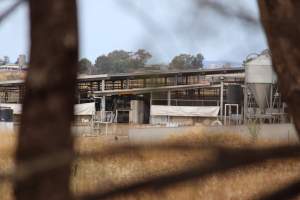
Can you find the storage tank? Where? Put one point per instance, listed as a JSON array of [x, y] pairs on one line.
[[6, 115], [259, 76], [6, 120], [234, 94]]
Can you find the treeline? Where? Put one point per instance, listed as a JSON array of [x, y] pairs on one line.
[[120, 61]]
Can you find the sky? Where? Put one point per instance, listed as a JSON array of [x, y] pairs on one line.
[[164, 27]]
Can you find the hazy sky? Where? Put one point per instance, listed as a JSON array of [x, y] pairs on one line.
[[163, 27]]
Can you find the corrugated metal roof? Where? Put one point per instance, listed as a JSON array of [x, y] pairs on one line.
[[86, 78]]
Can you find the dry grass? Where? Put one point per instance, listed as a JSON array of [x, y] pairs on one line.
[[14, 75], [105, 173], [7, 144]]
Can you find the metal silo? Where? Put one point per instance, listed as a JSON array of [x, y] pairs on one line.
[[259, 78]]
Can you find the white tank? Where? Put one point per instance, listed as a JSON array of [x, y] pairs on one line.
[[259, 76], [259, 70]]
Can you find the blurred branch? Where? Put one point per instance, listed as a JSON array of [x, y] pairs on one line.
[[227, 11], [153, 27], [47, 106], [10, 10]]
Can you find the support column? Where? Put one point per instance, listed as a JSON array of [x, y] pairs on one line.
[[221, 99], [169, 97], [271, 97], [103, 85], [150, 118], [103, 101], [127, 83], [103, 108], [122, 84], [169, 102], [245, 103]]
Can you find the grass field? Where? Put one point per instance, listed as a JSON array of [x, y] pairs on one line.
[[105, 173], [15, 75]]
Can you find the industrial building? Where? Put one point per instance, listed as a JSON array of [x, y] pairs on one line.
[[174, 98]]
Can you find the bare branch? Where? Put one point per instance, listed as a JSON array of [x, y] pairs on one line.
[[10, 10], [227, 11]]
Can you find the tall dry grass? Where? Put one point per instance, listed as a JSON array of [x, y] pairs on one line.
[[103, 172]]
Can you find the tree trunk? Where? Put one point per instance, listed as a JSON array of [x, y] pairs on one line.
[[49, 98], [281, 22]]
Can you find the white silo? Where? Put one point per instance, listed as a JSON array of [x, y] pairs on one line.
[[259, 78]]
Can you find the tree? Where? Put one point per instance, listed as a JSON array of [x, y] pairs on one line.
[[198, 61], [186, 61], [280, 20], [85, 66], [45, 132], [120, 61], [142, 56]]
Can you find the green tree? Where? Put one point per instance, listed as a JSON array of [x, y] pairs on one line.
[[198, 61], [142, 56], [187, 61], [120, 61], [85, 66]]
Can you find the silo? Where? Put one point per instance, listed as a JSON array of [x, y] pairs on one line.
[[259, 78]]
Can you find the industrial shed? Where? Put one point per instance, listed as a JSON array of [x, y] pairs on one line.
[[158, 97]]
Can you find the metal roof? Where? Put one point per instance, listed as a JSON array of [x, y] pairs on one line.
[[124, 76]]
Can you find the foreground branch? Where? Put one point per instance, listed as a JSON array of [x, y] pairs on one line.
[[49, 98]]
